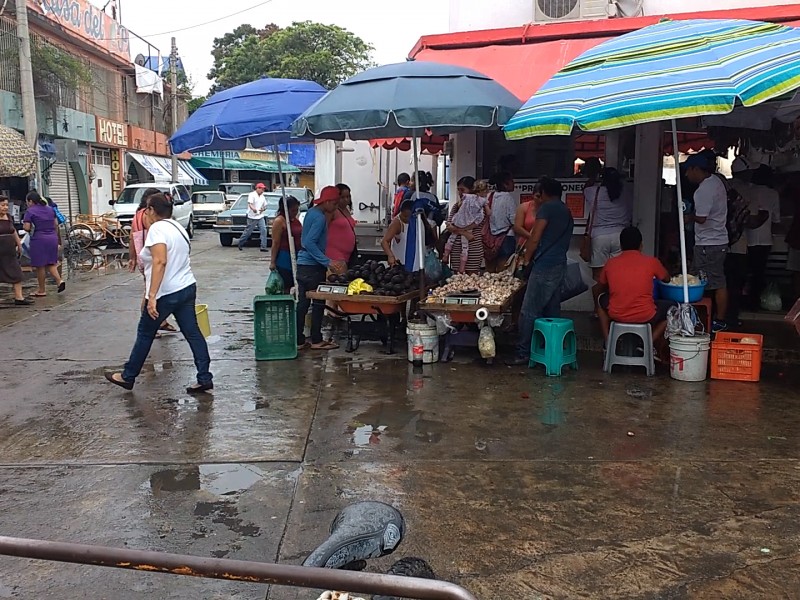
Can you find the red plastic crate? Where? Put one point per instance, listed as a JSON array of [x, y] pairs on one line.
[[735, 360]]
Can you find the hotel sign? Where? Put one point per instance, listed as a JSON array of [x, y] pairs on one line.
[[111, 133]]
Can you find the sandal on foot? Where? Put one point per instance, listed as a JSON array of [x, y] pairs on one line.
[[168, 327], [112, 377], [199, 388], [324, 346], [303, 346], [39, 295], [61, 287]]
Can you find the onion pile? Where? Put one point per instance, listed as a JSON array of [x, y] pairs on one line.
[[494, 288]]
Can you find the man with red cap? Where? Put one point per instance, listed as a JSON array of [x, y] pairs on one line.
[[313, 265], [256, 217]]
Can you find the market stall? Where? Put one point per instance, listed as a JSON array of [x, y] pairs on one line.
[[465, 301]]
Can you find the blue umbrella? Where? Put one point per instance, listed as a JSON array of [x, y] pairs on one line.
[[259, 113], [256, 114], [405, 99], [399, 99]]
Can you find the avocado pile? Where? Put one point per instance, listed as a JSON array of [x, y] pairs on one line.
[[385, 281]]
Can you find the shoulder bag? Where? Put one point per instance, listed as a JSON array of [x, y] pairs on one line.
[[586, 242], [492, 243]]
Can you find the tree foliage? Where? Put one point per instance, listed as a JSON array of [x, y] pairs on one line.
[[327, 54]]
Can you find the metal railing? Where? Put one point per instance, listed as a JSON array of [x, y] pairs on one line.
[[234, 570]]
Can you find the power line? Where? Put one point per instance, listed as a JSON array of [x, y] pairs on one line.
[[208, 22]]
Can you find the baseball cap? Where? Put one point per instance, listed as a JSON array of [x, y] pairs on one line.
[[740, 164], [329, 193], [699, 160], [261, 186]]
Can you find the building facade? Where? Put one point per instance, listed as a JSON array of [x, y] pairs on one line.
[[93, 126]]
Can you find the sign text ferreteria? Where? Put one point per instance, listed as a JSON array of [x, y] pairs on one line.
[[111, 132]]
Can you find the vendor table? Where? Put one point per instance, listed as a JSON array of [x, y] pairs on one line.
[[389, 309], [464, 314]]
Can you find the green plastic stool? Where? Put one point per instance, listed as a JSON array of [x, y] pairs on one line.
[[554, 345]]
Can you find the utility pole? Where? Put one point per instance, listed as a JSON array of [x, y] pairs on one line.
[[26, 85], [173, 83]]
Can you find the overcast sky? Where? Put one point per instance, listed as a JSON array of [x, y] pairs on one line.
[[392, 35]]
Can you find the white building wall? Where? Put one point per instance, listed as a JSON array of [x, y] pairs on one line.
[[370, 172], [467, 15]]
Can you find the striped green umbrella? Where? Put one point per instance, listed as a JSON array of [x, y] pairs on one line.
[[670, 70], [17, 158], [667, 71]]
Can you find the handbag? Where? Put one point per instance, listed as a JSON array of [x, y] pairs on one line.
[[586, 242], [491, 243], [573, 284]]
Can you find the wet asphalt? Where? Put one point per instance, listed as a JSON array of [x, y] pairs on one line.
[[512, 484]]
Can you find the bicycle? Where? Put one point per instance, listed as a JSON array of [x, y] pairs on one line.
[[98, 231]]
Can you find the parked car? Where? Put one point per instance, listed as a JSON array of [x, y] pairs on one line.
[[128, 201], [231, 223], [206, 207], [234, 190], [305, 195]]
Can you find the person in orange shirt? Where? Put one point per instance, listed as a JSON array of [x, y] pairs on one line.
[[627, 287]]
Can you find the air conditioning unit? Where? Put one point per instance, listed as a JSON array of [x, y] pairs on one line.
[[572, 10]]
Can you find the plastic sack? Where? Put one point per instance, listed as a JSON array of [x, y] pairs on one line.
[[771, 298], [358, 286], [681, 321], [433, 266], [275, 284], [26, 246], [443, 324], [486, 345]]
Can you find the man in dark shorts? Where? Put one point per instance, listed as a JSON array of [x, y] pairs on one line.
[[627, 287]]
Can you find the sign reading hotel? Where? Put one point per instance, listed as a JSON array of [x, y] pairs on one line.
[[116, 172], [84, 19], [111, 133]]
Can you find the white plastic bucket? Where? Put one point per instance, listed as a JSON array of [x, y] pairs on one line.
[[430, 342], [688, 357]]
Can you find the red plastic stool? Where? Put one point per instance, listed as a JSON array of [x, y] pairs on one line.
[[705, 304]]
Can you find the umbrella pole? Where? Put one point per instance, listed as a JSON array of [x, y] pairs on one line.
[[420, 226], [681, 225], [292, 252]]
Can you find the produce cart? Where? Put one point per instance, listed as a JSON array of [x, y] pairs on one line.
[[465, 300], [361, 309]]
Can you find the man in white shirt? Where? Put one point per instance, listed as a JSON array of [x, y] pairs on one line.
[[711, 233], [759, 241], [256, 217]]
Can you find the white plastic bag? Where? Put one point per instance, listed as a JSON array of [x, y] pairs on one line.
[[771, 298], [486, 344]]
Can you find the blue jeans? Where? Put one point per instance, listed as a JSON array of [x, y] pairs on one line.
[[251, 227], [181, 304], [542, 299]]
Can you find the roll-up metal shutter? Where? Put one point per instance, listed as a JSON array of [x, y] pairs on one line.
[[63, 189]]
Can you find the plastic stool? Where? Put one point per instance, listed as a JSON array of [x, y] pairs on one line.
[[554, 345], [616, 332]]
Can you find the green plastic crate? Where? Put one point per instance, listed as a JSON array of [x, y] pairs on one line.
[[275, 327]]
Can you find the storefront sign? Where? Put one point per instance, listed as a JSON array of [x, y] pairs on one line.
[[116, 172], [254, 155], [572, 197], [111, 132], [87, 21], [217, 154]]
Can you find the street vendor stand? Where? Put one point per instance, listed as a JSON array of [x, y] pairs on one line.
[[466, 310], [360, 309]]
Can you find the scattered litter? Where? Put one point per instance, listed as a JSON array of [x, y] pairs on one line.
[[631, 434], [525, 396], [635, 392], [776, 437], [480, 445], [765, 551], [337, 596]]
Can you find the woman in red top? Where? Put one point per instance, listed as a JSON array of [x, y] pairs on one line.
[[341, 228], [281, 260], [526, 217]]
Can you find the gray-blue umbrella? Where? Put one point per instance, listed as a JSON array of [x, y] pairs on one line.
[[405, 99]]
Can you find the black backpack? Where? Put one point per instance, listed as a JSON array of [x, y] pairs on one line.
[[738, 212]]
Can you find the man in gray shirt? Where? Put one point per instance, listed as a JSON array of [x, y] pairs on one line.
[[710, 231]]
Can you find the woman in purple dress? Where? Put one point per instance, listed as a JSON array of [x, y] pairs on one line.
[[41, 224]]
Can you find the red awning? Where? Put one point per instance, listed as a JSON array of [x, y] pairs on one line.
[[524, 58]]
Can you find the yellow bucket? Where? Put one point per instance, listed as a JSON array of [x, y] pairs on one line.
[[201, 310]]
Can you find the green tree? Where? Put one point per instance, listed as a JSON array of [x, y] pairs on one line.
[[327, 54]]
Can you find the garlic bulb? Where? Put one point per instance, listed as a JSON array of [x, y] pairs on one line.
[[494, 288]]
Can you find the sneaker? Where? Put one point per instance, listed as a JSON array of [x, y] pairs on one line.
[[718, 326]]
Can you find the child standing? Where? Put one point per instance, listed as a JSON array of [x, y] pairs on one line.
[[474, 209]]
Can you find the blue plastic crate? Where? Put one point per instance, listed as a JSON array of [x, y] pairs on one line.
[[275, 323]]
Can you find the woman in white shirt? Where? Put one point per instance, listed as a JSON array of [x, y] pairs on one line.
[[171, 289]]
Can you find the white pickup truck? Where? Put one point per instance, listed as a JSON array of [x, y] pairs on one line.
[[126, 205]]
